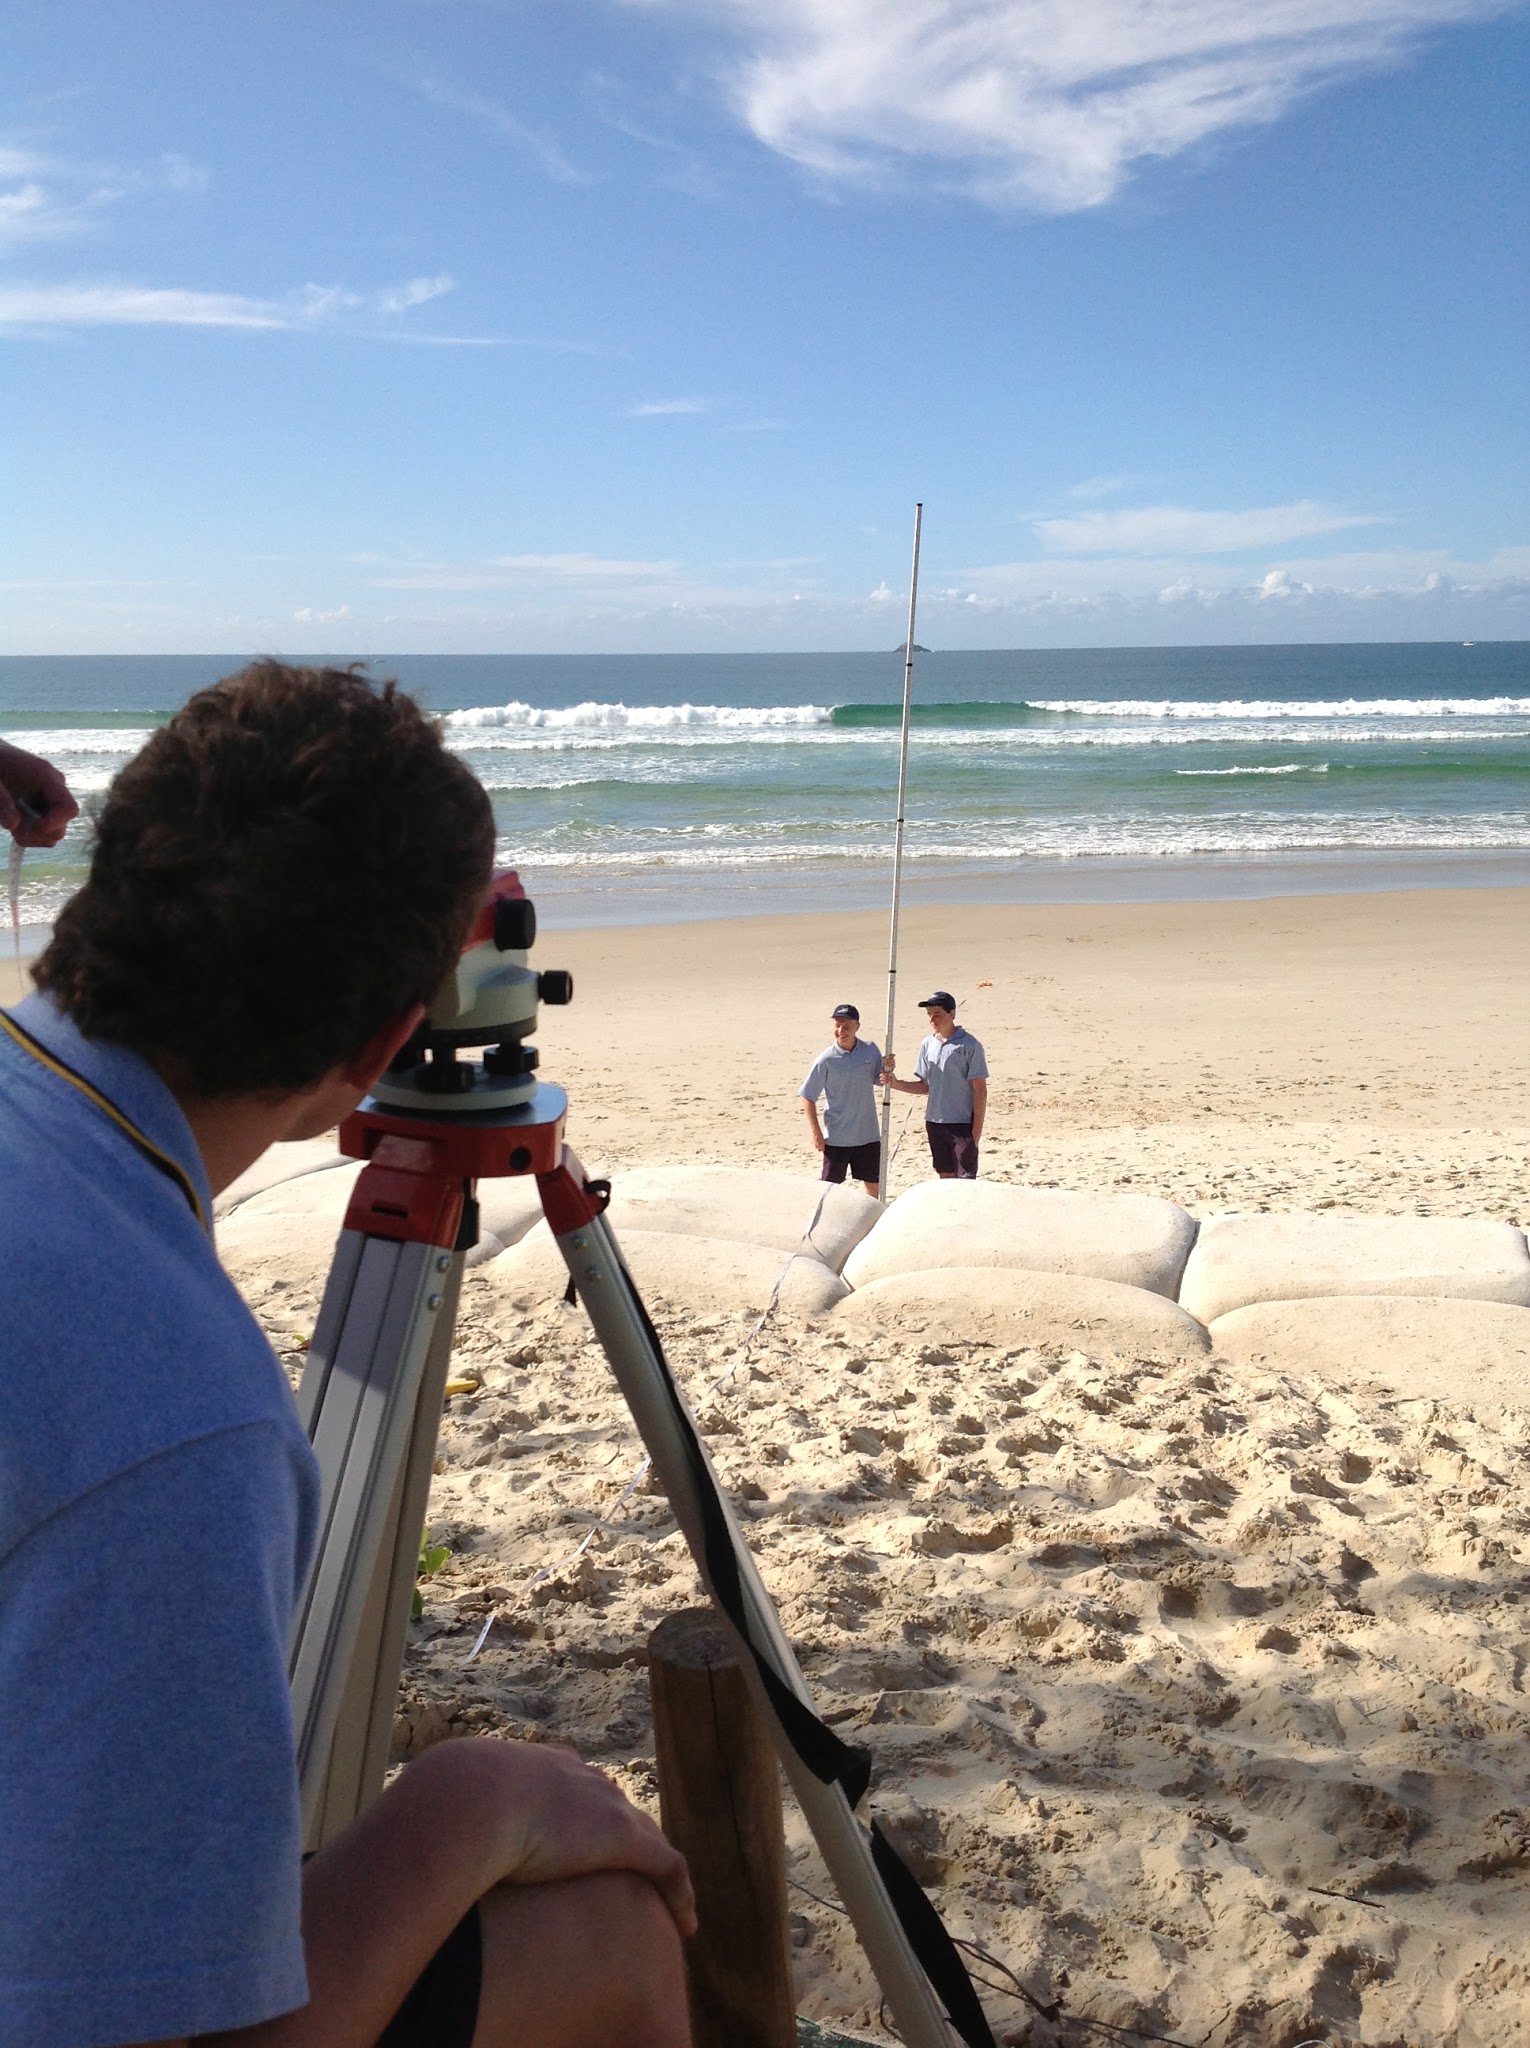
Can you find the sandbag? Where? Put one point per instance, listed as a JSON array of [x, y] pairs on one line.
[[1438, 1347], [1134, 1240], [700, 1275], [953, 1305], [1302, 1256], [280, 1163], [745, 1203]]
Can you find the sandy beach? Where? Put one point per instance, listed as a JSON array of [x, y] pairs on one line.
[[1365, 1051], [1194, 1686]]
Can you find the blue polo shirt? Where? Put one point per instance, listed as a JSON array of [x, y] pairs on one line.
[[158, 1502], [847, 1081], [950, 1065]]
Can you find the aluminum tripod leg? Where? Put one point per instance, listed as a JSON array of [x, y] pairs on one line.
[[595, 1264], [371, 1402]]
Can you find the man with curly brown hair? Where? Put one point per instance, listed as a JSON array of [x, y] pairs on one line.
[[280, 880]]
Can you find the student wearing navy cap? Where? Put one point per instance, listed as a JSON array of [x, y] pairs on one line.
[[952, 1071], [846, 1074]]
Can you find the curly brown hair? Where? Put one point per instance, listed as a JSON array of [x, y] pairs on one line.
[[286, 866]]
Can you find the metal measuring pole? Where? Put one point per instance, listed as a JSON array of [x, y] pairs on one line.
[[897, 888]]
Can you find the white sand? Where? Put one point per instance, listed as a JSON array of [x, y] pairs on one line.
[[1195, 1688]]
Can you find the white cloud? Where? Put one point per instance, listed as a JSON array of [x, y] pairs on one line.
[[1280, 583], [1098, 487], [1124, 587], [127, 305], [309, 617], [666, 408], [417, 291], [564, 572], [584, 567], [543, 148], [52, 199], [1157, 529], [1046, 104]]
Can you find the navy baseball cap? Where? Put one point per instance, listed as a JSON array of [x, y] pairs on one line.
[[941, 1000], [842, 1010]]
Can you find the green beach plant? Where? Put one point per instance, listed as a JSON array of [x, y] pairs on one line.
[[432, 1557]]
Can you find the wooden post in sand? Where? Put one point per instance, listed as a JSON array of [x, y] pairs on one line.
[[720, 1802]]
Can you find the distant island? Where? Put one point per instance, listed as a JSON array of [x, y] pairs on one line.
[[902, 648]]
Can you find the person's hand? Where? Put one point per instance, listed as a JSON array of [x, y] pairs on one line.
[[28, 779], [818, 1140], [889, 1066], [554, 1817]]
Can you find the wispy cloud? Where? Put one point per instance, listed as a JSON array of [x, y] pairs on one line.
[[1044, 104], [55, 306], [1126, 585], [544, 149], [1181, 529], [667, 408], [584, 568], [683, 169], [1098, 487], [568, 572], [47, 198]]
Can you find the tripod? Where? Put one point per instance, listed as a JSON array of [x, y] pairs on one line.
[[371, 1400]]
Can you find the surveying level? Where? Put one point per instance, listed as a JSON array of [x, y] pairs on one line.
[[371, 1399]]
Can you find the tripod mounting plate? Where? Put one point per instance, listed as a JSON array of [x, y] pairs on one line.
[[474, 1145]]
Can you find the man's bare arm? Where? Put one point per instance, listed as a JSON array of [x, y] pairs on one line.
[[380, 1899], [813, 1123], [890, 1079]]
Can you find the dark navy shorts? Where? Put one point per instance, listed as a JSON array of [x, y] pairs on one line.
[[442, 2009], [953, 1149], [863, 1161]]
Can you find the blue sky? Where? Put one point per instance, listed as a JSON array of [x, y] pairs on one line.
[[500, 326]]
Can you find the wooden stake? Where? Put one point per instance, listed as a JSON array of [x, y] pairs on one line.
[[720, 1802]]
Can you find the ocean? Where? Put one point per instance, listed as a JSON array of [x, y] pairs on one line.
[[654, 788]]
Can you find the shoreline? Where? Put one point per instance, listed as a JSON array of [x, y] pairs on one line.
[[646, 898], [642, 898]]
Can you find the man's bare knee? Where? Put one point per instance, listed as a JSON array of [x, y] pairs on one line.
[[563, 1961]]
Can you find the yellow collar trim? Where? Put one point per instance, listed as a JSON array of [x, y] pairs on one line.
[[146, 1145]]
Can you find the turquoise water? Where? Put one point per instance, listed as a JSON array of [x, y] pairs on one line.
[[654, 786]]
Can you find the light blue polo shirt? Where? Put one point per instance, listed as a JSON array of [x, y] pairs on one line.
[[847, 1081], [950, 1065], [158, 1502]]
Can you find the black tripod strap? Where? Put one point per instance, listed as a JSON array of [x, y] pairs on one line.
[[831, 1760]]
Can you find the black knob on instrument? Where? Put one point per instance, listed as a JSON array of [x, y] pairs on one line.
[[556, 986], [515, 924]]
